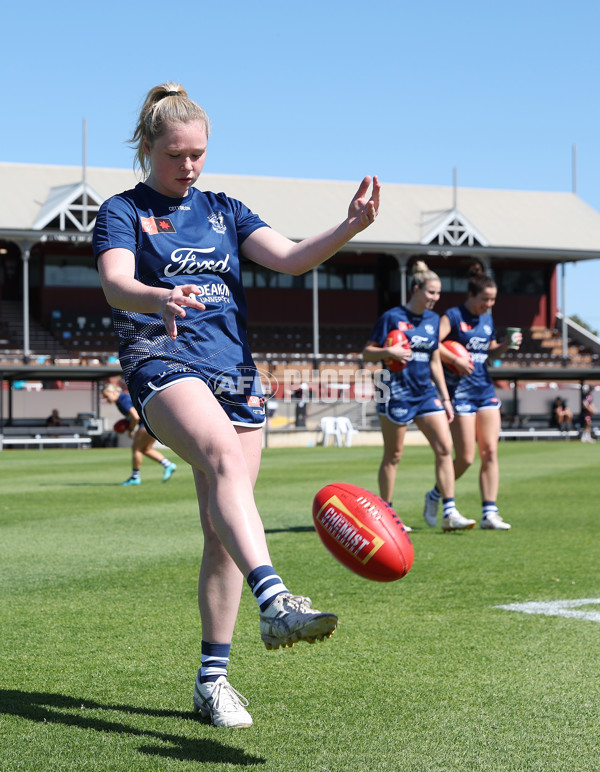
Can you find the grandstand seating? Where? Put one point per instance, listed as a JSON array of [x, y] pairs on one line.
[[41, 340], [84, 331], [543, 347], [86, 336], [339, 340]]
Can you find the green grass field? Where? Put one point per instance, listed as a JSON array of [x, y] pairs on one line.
[[100, 637]]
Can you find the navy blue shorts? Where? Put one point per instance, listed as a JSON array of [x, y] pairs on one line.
[[404, 410], [238, 391], [468, 403]]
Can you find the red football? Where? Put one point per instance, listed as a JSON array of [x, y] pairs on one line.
[[455, 348], [362, 532], [395, 336], [122, 425]]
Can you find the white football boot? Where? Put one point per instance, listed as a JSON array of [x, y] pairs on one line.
[[493, 521], [223, 704], [456, 522], [290, 619], [430, 510]]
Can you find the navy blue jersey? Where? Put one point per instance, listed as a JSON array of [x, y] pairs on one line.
[[124, 404], [190, 240], [423, 333], [475, 333]]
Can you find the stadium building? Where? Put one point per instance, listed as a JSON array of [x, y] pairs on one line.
[[53, 312]]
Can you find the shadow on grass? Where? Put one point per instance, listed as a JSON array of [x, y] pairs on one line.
[[86, 484], [292, 529], [49, 708]]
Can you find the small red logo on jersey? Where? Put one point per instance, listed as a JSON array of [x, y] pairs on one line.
[[464, 327], [255, 401], [405, 326], [154, 225]]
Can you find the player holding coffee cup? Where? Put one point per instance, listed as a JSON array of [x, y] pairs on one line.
[[514, 338]]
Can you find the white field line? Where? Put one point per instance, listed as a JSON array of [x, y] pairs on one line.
[[559, 608]]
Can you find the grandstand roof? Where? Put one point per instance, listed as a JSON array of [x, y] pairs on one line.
[[414, 217]]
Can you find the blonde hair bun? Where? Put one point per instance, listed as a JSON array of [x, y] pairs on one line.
[[421, 274]]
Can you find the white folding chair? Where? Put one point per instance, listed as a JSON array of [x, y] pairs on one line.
[[346, 429], [330, 428]]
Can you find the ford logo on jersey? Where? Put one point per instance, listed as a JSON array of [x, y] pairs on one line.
[[190, 261]]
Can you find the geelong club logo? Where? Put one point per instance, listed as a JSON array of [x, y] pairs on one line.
[[217, 221]]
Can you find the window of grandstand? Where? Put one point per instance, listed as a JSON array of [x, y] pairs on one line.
[[451, 281], [530, 281], [522, 281], [76, 272], [331, 277], [393, 280], [286, 281], [360, 281]]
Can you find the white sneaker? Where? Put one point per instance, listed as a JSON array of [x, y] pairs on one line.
[[495, 522], [430, 511], [222, 703], [290, 619], [456, 522]]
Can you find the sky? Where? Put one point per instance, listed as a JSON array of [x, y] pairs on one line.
[[410, 91]]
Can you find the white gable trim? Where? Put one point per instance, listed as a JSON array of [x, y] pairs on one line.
[[68, 205], [452, 229]]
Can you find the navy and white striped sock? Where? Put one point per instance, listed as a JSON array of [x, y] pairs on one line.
[[488, 508], [435, 494], [215, 657], [449, 506], [266, 585]]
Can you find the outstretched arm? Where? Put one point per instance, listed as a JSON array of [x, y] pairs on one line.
[[275, 251]]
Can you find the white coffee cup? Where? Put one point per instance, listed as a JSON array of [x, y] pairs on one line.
[[513, 334]]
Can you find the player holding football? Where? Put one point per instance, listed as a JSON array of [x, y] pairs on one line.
[[476, 406], [169, 261], [409, 394], [142, 441]]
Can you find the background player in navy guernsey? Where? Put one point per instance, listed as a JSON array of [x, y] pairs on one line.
[[476, 406], [143, 442], [168, 256], [409, 395]]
